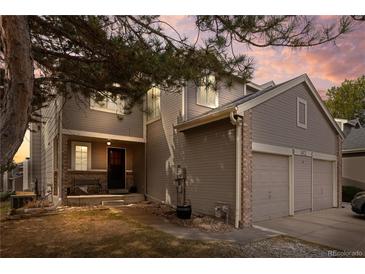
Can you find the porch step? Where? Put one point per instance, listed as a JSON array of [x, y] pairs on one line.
[[118, 191], [85, 200], [113, 203]]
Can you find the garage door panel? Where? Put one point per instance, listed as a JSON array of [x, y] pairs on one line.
[[270, 182], [302, 183], [322, 184]]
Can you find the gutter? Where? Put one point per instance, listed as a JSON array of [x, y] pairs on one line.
[[236, 120], [353, 150]]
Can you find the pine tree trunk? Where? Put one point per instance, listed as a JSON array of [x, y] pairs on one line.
[[16, 96]]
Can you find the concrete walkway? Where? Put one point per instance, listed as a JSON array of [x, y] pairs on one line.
[[242, 236], [336, 227]]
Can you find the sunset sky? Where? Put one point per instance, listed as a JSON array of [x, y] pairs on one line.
[[327, 65]]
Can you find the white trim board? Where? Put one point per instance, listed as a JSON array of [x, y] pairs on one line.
[[323, 156], [299, 123], [284, 87], [73, 145], [102, 135], [281, 150], [265, 148]]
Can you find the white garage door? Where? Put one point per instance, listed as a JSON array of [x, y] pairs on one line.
[[270, 186], [322, 184], [302, 183]]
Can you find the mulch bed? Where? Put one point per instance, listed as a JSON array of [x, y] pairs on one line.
[[201, 222]]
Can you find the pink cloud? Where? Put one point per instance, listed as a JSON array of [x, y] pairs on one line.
[[327, 65]]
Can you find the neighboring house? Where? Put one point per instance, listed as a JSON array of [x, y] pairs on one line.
[[264, 150], [353, 155], [14, 180]]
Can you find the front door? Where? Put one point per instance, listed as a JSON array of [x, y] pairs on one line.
[[116, 168]]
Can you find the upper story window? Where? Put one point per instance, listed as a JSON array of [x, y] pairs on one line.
[[153, 104], [302, 116], [108, 105], [81, 156], [206, 94]]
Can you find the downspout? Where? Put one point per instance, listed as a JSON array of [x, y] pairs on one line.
[[244, 89], [236, 120]]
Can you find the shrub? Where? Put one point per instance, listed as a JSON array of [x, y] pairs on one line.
[[37, 204], [348, 193], [5, 195]]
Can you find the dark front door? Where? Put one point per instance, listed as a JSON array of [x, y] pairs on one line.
[[116, 168]]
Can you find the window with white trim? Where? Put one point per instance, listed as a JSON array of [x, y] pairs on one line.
[[153, 104], [81, 156], [108, 104], [206, 94], [302, 115]]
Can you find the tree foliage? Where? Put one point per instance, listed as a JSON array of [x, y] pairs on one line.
[[124, 56], [348, 100]]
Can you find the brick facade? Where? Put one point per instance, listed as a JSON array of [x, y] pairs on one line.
[[246, 186]]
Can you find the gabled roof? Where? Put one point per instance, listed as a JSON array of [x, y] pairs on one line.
[[262, 86], [354, 141], [249, 101]]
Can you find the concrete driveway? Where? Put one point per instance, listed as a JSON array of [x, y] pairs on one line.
[[336, 227]]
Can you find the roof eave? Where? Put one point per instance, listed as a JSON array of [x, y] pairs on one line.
[[206, 119], [353, 150]]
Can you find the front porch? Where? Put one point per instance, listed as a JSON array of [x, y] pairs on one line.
[[91, 172]]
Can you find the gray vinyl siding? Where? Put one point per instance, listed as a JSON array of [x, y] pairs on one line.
[[157, 156], [35, 152], [207, 153], [209, 157], [50, 118], [77, 115], [275, 123], [225, 95], [302, 183]]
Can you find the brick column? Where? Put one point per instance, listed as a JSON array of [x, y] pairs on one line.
[[246, 185], [339, 170]]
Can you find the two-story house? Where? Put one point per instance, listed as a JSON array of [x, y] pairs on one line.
[[263, 150]]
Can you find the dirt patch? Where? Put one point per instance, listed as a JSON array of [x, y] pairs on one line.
[[201, 222]]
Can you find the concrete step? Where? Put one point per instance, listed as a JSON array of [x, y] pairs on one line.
[[113, 203], [118, 191], [86, 200]]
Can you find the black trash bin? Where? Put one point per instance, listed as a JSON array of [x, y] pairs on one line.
[[183, 212]]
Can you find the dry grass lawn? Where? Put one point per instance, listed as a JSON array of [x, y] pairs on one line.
[[98, 233]]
